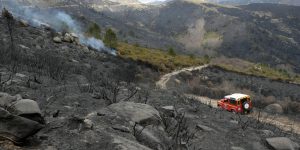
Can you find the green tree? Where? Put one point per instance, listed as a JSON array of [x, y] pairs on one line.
[[110, 39], [94, 30], [171, 51]]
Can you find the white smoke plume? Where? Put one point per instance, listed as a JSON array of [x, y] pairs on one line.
[[56, 19]]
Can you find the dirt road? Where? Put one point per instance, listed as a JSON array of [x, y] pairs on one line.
[[165, 78]]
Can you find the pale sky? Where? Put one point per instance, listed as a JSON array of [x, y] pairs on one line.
[[148, 1]]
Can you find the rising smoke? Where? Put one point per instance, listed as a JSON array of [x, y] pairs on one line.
[[56, 19]]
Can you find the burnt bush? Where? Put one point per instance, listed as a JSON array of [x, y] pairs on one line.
[[10, 54], [104, 86], [126, 72], [41, 62], [177, 127], [205, 91], [47, 63], [290, 107]]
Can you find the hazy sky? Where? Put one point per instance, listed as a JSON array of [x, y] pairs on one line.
[[148, 1]]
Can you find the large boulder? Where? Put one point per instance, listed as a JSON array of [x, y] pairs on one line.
[[24, 107], [16, 128], [274, 108], [27, 108], [142, 114], [282, 143]]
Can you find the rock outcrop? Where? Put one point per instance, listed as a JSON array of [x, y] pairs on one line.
[[142, 114], [16, 128], [67, 37], [282, 143], [154, 137], [21, 118]]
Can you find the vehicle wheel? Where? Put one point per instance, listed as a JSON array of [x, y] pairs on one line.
[[246, 106]]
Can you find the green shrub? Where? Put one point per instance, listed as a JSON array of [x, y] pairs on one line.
[[110, 39], [94, 30], [171, 51], [160, 60]]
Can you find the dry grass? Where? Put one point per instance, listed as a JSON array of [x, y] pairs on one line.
[[158, 59], [248, 68]]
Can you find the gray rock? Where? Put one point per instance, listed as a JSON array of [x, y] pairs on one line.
[[153, 136], [205, 128], [24, 47], [88, 124], [121, 143], [68, 107], [237, 148], [74, 35], [18, 97], [57, 39], [274, 108], [234, 122], [85, 49], [282, 143], [137, 112], [46, 26], [121, 128], [168, 110], [23, 23], [25, 106], [6, 99], [38, 47], [68, 38], [59, 34], [16, 128], [20, 75]]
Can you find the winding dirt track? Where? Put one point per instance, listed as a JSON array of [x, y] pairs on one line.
[[283, 122], [162, 83]]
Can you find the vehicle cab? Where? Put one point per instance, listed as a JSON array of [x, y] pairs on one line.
[[238, 103]]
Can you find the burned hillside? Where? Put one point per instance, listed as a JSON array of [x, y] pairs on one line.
[[79, 97]]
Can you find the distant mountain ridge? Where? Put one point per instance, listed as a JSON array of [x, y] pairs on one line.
[[244, 2]]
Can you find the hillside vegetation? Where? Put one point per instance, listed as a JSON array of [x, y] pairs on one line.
[[165, 62], [161, 60], [263, 70]]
